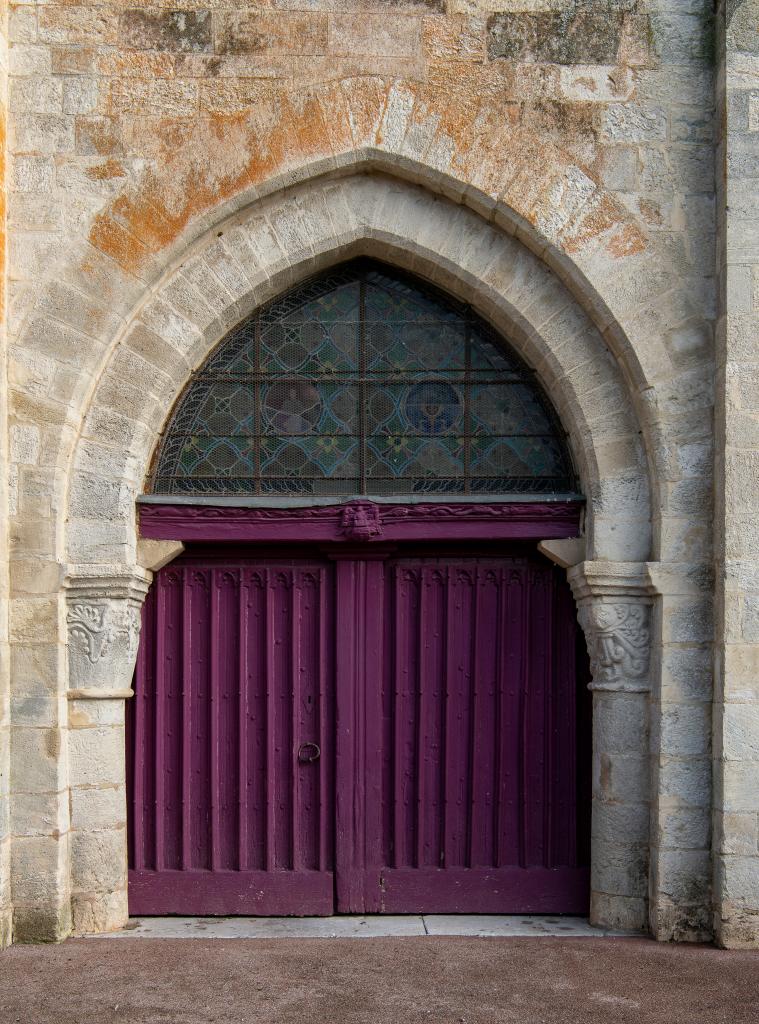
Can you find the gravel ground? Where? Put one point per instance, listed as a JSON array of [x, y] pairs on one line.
[[386, 980]]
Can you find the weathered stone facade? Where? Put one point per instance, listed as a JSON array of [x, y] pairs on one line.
[[583, 173]]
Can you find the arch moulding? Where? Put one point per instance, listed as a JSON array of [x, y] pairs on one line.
[[152, 320], [252, 256]]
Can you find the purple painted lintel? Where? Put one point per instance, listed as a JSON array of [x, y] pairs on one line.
[[363, 521]]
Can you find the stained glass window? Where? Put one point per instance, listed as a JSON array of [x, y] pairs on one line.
[[362, 381]]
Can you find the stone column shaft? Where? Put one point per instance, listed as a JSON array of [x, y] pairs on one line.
[[614, 608], [103, 622]]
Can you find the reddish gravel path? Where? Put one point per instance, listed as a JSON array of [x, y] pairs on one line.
[[389, 980]]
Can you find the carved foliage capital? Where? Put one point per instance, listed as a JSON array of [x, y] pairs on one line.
[[614, 602], [90, 631], [103, 624], [618, 636]]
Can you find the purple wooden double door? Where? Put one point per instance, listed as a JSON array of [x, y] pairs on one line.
[[359, 731]]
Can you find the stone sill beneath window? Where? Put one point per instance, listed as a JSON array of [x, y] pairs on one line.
[[326, 500]]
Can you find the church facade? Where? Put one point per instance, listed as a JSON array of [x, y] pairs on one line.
[[381, 465]]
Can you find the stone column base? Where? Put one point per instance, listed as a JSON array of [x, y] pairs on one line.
[[48, 922], [739, 931], [98, 912], [6, 927], [626, 913]]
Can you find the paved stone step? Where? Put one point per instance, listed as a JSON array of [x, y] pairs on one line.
[[354, 926]]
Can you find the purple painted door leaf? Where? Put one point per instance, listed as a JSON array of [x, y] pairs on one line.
[[234, 675]]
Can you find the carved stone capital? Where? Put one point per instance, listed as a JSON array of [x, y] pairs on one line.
[[103, 618], [614, 608]]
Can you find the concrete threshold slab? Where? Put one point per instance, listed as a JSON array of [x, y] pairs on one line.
[[354, 926]]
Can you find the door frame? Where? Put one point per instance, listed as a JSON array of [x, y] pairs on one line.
[[358, 520], [360, 534]]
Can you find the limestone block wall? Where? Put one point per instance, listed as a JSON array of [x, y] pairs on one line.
[[736, 723], [139, 132], [5, 810]]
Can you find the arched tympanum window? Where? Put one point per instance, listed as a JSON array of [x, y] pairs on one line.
[[363, 381]]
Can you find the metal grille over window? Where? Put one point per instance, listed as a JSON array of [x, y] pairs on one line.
[[363, 381]]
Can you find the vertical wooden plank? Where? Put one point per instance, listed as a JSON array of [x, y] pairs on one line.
[[229, 716], [215, 707], [347, 786], [534, 735], [187, 723], [441, 644], [419, 637], [564, 766], [523, 716], [431, 644], [357, 725], [404, 617], [385, 729], [490, 768], [270, 725], [173, 722], [450, 726], [256, 641], [370, 732], [307, 824], [548, 717], [473, 707], [243, 778], [359, 674], [458, 717], [280, 748], [159, 724], [323, 808], [141, 763], [201, 682], [485, 631], [283, 744], [499, 699], [297, 859], [514, 624], [399, 617]]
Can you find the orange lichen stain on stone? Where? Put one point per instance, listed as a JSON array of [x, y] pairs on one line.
[[106, 171], [101, 134], [201, 164], [602, 216], [303, 115], [3, 192], [407, 96], [365, 101], [460, 109], [530, 171], [628, 241], [607, 216], [651, 212], [334, 118], [113, 240], [195, 176], [136, 65]]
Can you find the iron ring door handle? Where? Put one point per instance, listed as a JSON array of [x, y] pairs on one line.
[[304, 757]]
